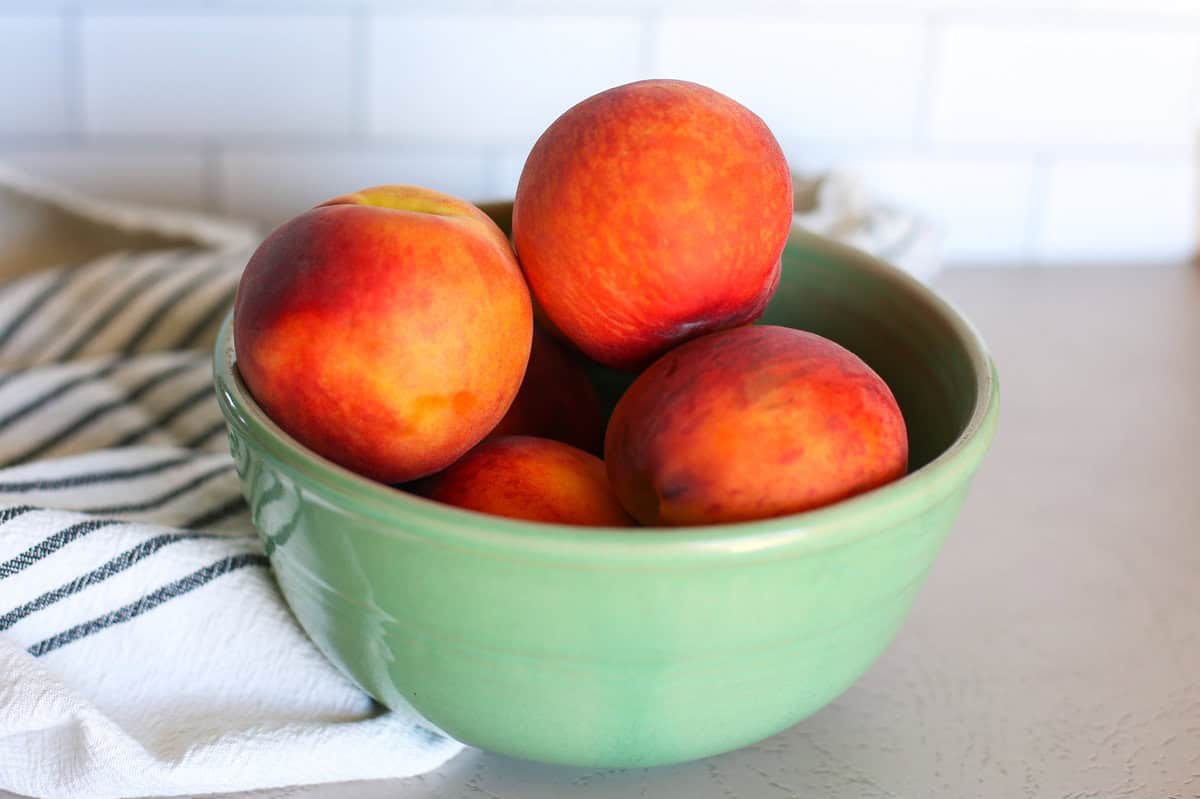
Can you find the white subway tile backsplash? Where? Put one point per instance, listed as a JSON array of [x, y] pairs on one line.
[[271, 186], [505, 171], [149, 176], [1118, 212], [982, 207], [1060, 85], [1050, 131], [806, 78], [206, 75], [33, 75], [492, 78], [993, 8]]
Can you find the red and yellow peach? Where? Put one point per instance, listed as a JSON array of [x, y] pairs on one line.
[[650, 214], [387, 330], [536, 479], [751, 423]]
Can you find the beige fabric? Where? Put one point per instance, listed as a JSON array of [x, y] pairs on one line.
[[839, 205], [42, 225]]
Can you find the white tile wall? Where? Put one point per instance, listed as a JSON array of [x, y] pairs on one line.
[[1098, 211], [983, 206], [806, 78], [506, 172], [1007, 8], [34, 87], [492, 78], [271, 186], [217, 75], [168, 176], [1033, 130], [1043, 85]]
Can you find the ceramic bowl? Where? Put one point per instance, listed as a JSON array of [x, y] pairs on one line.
[[619, 648]]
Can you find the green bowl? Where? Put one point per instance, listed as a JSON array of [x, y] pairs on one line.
[[619, 648]]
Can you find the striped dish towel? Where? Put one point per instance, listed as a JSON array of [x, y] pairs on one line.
[[144, 647], [838, 204]]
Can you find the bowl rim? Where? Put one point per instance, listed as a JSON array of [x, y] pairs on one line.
[[835, 525]]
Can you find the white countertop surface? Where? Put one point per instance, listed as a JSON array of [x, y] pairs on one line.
[[1055, 649]]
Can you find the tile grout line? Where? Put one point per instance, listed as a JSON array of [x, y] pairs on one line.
[[1194, 93], [927, 76], [1063, 16], [1039, 199], [649, 36], [361, 43], [1068, 19], [72, 31], [1125, 152]]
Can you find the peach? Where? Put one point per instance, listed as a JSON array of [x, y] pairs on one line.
[[751, 423], [556, 399], [387, 330], [529, 478], [649, 214]]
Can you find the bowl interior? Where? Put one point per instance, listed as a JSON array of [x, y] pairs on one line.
[[933, 361], [930, 356]]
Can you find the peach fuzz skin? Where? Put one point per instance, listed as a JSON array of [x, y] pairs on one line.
[[387, 330], [650, 214], [556, 400], [529, 478], [752, 423]]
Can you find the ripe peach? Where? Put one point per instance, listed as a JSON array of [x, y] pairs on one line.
[[649, 214], [387, 330], [556, 399], [523, 477], [752, 423]]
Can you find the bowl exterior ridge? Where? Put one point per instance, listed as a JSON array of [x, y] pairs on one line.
[[403, 513], [674, 664]]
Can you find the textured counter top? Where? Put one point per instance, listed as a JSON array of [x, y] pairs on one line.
[[1055, 649]]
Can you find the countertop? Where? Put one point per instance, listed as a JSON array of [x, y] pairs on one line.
[[1055, 649]]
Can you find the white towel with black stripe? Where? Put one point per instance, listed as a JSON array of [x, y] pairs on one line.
[[144, 648]]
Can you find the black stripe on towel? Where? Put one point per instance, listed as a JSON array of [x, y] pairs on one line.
[[168, 304], [10, 513], [51, 544], [162, 499], [201, 438], [35, 304], [33, 404], [150, 601], [98, 411], [98, 575], [221, 512], [184, 405], [91, 478], [206, 320], [139, 285]]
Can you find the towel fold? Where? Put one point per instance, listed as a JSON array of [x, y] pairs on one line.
[[144, 647]]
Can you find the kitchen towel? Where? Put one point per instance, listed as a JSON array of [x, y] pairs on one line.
[[840, 205], [144, 647]]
